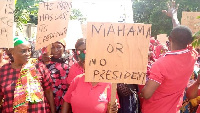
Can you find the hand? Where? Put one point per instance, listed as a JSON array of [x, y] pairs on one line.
[[172, 9], [114, 107], [45, 58]]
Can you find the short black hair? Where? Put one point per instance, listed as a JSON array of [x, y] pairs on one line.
[[80, 42], [181, 36]]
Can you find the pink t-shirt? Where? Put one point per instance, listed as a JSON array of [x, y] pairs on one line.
[[172, 72], [85, 98], [73, 72]]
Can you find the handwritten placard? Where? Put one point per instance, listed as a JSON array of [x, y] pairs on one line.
[[190, 19], [6, 23], [162, 38], [53, 20], [117, 52]]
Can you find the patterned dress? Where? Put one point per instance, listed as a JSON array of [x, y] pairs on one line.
[[59, 69], [8, 82]]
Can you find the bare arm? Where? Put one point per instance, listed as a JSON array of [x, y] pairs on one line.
[[172, 13], [192, 91], [49, 96], [149, 89], [66, 108]]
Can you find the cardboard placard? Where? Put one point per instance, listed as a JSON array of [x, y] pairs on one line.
[[117, 52], [53, 17], [162, 38], [7, 8], [190, 19]]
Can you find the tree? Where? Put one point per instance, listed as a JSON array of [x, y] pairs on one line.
[[26, 11], [149, 11]]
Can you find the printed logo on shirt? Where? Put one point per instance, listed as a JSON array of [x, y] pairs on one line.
[[103, 97]]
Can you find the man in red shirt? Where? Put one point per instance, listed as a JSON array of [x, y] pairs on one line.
[[170, 74]]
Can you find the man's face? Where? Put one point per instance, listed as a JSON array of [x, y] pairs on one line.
[[21, 53]]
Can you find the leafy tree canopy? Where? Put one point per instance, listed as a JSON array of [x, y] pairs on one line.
[[150, 11]]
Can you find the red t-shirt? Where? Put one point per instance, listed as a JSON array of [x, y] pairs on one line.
[[172, 72], [85, 98], [73, 72]]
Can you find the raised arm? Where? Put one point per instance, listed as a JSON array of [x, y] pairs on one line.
[[172, 13]]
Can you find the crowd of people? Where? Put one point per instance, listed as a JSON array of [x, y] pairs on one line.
[[54, 81]]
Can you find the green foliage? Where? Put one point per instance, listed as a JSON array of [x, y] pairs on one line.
[[26, 11], [150, 11], [196, 41]]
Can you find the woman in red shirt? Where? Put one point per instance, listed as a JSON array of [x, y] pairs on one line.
[[78, 68], [85, 97], [25, 83]]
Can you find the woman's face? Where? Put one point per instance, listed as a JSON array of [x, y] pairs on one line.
[[21, 53], [57, 50]]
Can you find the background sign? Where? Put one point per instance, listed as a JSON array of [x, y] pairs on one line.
[[190, 19], [7, 8], [53, 20]]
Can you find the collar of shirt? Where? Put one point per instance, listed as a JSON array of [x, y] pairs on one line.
[[178, 52], [99, 84]]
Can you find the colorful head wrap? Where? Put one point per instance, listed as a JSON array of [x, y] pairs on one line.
[[18, 41]]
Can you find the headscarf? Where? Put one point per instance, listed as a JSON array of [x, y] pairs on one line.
[[19, 40], [63, 42]]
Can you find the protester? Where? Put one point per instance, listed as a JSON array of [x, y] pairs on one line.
[[160, 50], [170, 74], [58, 66], [78, 68], [25, 83], [194, 92], [128, 98], [2, 60], [88, 97], [97, 95]]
